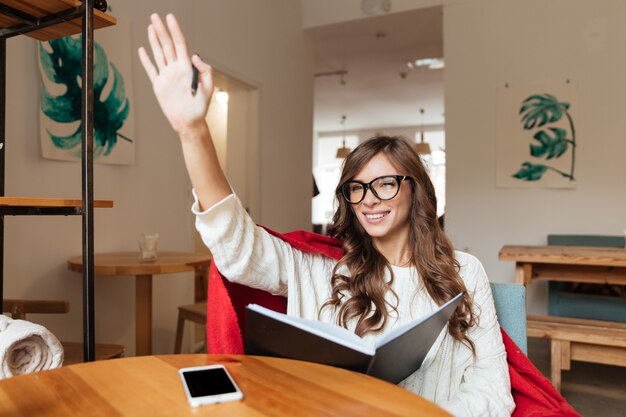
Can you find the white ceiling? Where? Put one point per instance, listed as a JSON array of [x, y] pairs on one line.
[[375, 95]]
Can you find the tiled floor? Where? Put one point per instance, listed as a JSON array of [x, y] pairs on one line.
[[593, 390]]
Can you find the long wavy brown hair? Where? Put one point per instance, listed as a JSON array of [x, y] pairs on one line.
[[361, 295]]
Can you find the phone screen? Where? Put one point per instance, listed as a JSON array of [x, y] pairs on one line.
[[207, 382]]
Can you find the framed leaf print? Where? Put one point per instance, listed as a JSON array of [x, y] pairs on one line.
[[536, 137], [60, 62]]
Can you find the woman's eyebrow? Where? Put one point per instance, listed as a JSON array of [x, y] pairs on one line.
[[375, 178], [361, 181]]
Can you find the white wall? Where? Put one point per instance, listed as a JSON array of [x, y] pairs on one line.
[[488, 43], [265, 46], [525, 42], [262, 44], [326, 12]]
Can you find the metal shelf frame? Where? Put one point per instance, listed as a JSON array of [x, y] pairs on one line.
[[31, 23]]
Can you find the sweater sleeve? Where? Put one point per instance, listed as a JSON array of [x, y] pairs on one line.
[[485, 388], [244, 252]]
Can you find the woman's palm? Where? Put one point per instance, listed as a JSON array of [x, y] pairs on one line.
[[173, 91]]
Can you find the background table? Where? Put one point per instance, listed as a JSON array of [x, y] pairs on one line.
[[573, 339], [129, 264], [596, 265], [150, 386]]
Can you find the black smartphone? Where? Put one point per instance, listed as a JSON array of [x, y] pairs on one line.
[[210, 384]]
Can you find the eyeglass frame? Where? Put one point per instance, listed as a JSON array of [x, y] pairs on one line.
[[368, 186]]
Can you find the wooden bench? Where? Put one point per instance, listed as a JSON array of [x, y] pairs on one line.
[[581, 340]]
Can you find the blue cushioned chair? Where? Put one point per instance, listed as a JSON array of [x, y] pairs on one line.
[[510, 300], [562, 302]]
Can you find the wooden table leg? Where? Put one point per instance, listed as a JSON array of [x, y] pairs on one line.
[[523, 273], [143, 315], [560, 360], [555, 364], [201, 281]]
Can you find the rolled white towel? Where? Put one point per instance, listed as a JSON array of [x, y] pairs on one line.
[[27, 347]]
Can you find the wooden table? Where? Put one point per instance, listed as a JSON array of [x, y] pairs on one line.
[[596, 265], [575, 339], [150, 386], [128, 264]]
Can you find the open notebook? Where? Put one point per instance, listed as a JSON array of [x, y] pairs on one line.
[[395, 356]]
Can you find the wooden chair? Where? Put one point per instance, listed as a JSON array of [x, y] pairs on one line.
[[72, 351], [193, 312]]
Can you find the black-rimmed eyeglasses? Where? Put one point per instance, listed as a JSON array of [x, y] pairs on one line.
[[383, 188]]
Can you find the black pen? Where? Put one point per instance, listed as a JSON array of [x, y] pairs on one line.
[[194, 80]]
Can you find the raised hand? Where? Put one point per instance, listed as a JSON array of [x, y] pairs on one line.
[[171, 75]]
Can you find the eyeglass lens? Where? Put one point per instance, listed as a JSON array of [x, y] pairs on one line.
[[384, 188]]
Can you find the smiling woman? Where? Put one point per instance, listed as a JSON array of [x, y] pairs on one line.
[[396, 261]]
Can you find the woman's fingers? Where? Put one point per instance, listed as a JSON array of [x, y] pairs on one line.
[[202, 66], [157, 49], [147, 65], [164, 38], [180, 44]]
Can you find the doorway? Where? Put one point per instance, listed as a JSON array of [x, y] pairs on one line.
[[233, 122]]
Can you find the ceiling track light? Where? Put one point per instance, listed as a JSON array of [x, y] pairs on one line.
[[429, 63], [340, 73], [374, 7]]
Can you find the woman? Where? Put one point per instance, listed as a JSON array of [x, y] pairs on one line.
[[398, 265]]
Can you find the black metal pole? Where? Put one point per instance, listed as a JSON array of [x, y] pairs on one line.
[[3, 93], [89, 347]]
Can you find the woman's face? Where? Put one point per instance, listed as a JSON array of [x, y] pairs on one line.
[[384, 220]]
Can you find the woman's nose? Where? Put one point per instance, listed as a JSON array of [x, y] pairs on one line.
[[370, 199]]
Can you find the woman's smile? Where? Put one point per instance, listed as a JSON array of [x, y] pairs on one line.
[[375, 217]]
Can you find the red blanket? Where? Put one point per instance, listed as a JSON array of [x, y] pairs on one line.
[[534, 395]]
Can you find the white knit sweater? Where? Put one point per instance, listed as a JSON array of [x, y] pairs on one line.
[[449, 376]]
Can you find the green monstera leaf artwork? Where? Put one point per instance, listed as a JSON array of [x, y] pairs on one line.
[[538, 110], [530, 172], [61, 62], [550, 142], [550, 146]]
